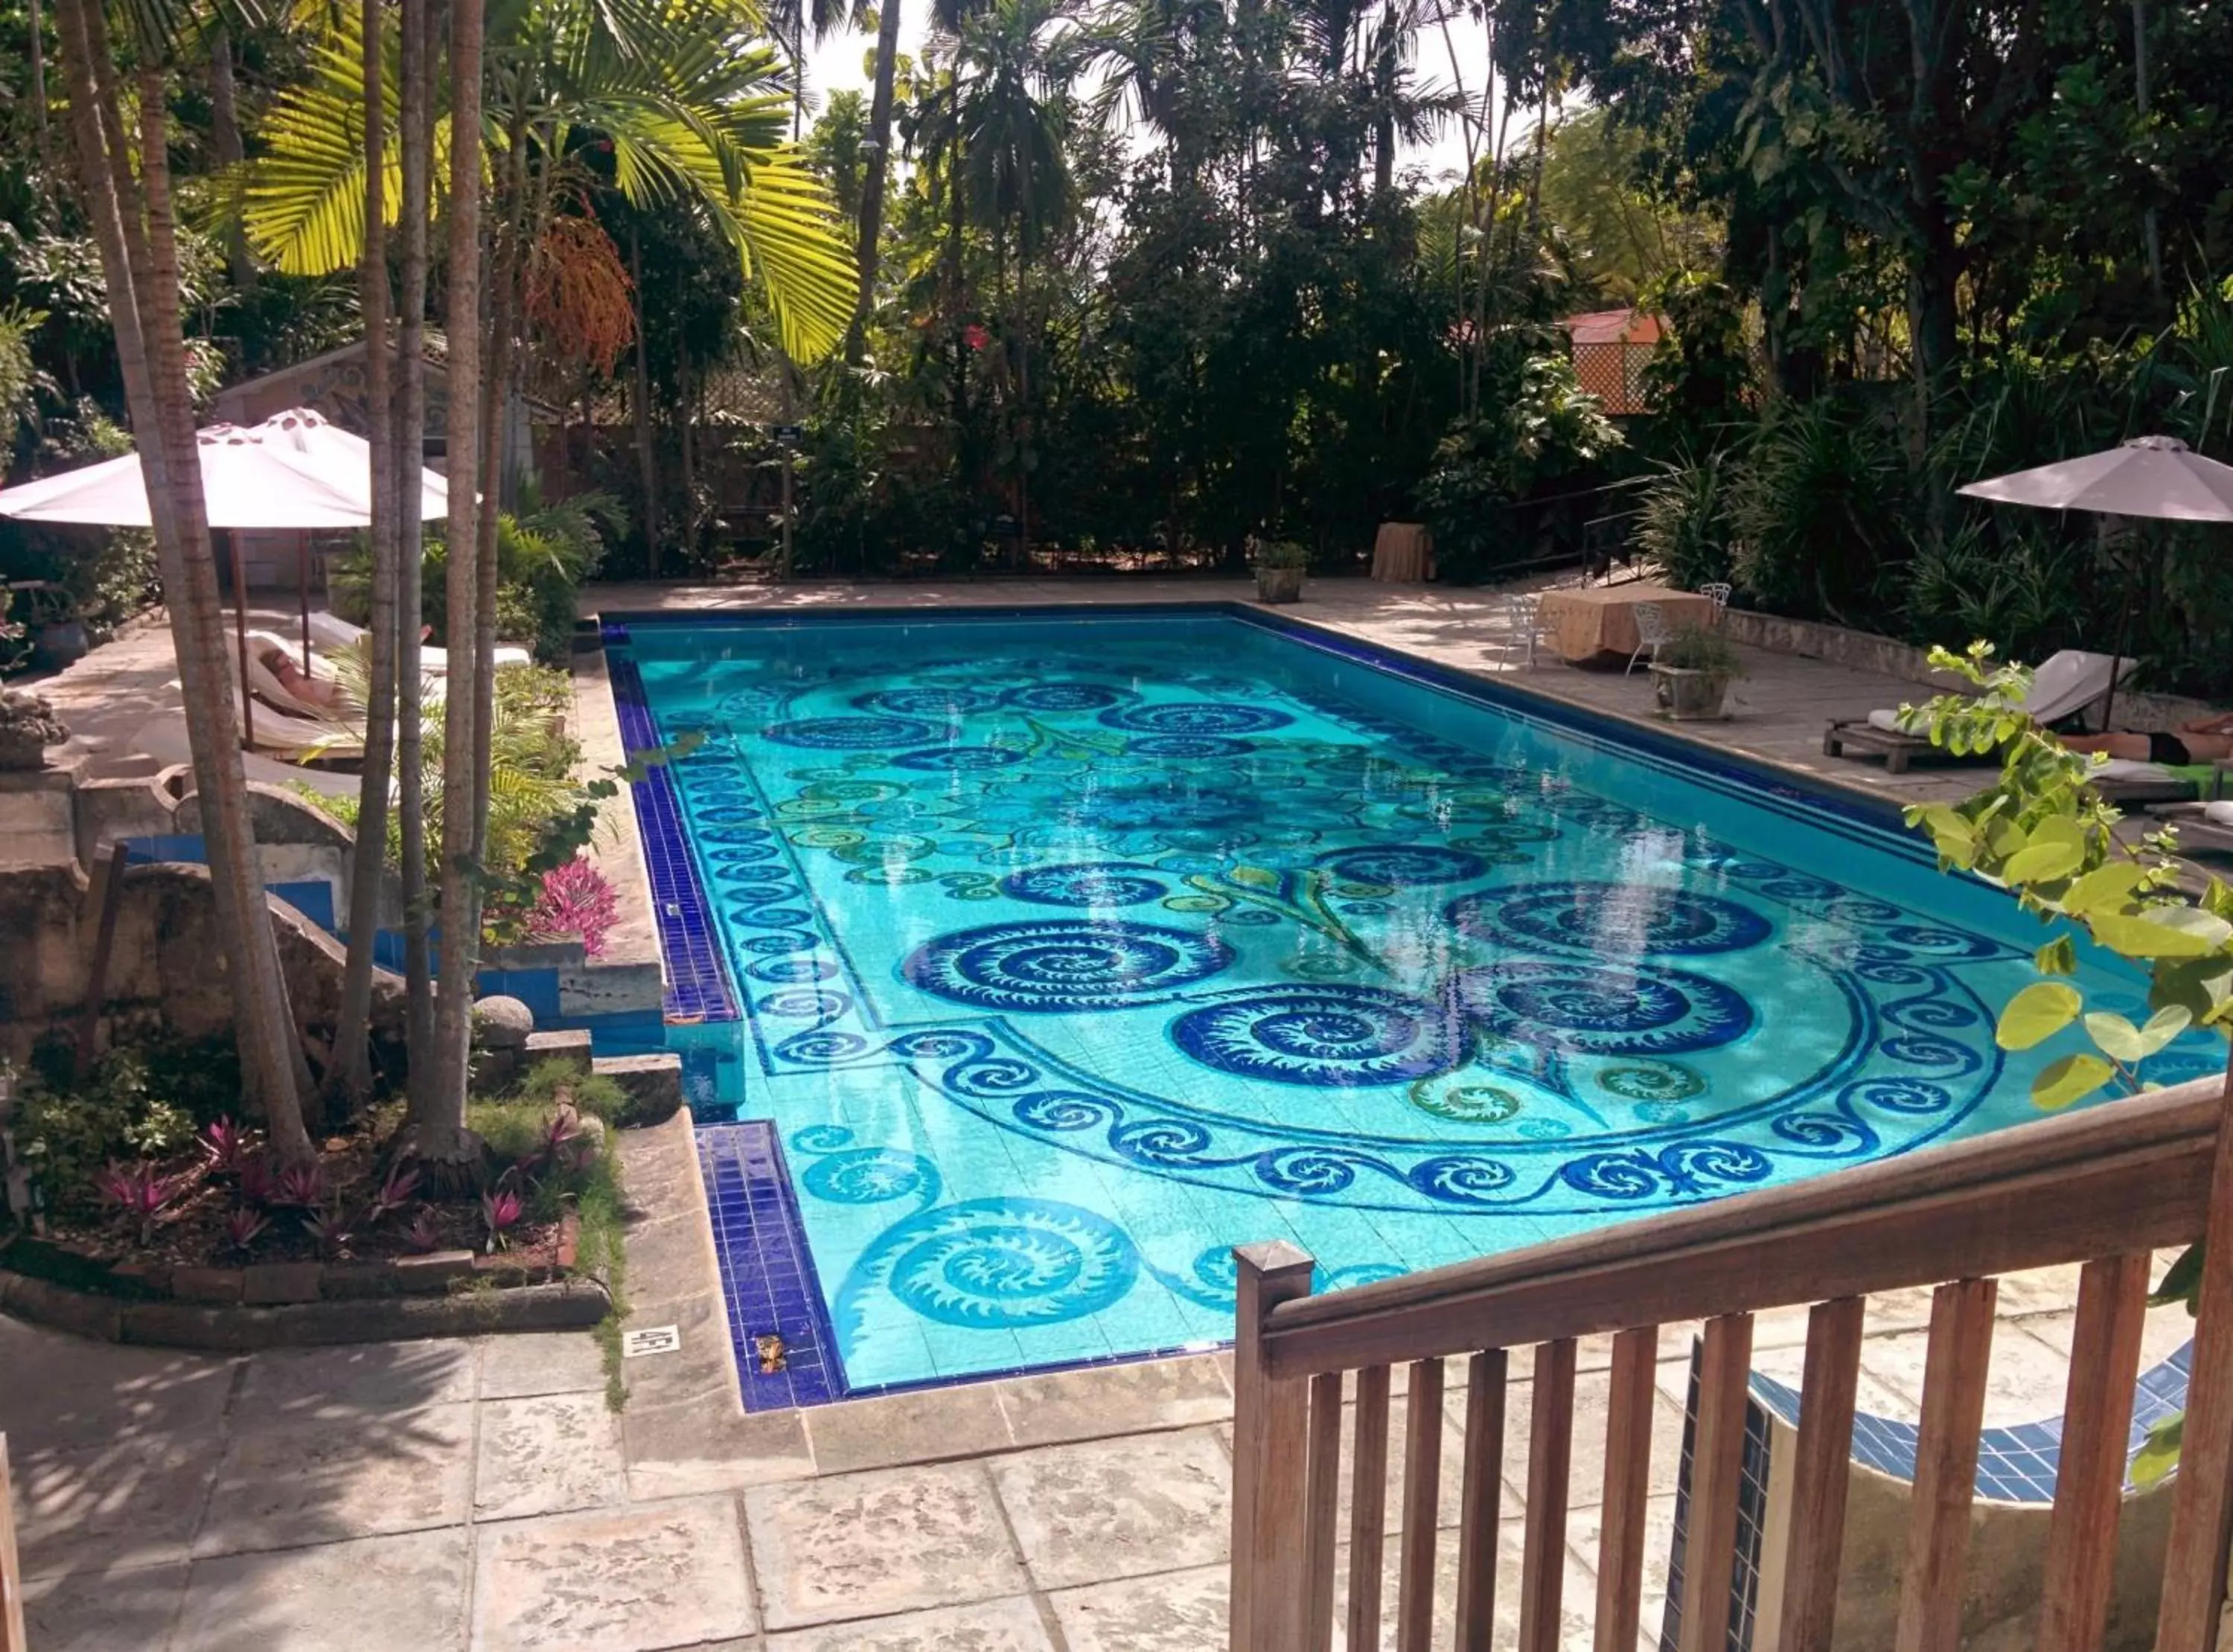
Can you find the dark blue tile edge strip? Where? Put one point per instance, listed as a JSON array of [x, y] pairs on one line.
[[767, 1272], [697, 983], [2015, 1465]]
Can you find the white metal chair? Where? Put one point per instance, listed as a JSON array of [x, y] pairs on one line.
[[1717, 592], [1524, 615], [1652, 632]]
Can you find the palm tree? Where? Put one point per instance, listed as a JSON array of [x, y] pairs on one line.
[[438, 1134], [352, 1074], [693, 112], [871, 226], [415, 111], [135, 225]]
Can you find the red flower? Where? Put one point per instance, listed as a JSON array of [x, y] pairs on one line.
[[975, 336]]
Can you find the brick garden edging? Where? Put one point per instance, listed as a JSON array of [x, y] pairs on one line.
[[278, 1305]]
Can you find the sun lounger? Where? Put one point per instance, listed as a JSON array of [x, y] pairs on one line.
[[330, 630], [2201, 825], [164, 738], [2065, 686], [267, 684], [2124, 780]]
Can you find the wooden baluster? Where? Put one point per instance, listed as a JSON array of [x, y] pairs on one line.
[[1709, 1548], [1324, 1500], [1550, 1455], [2202, 1497], [11, 1577], [1422, 1480], [1480, 1500], [1368, 1507], [1946, 1464], [2089, 1479], [1627, 1489], [1270, 1456], [1820, 1471]]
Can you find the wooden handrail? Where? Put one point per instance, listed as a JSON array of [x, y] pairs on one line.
[[2131, 1175], [11, 1574], [2103, 1187]]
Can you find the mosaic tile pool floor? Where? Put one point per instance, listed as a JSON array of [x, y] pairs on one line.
[[1060, 955]]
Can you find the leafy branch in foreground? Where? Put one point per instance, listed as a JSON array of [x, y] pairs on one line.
[[2043, 831]]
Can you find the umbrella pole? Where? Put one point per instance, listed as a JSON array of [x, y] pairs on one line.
[[240, 638], [303, 590], [2123, 638]]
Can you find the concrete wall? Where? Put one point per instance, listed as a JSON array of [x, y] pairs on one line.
[[166, 963], [1863, 651]]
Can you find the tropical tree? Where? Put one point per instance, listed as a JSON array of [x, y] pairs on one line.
[[134, 222], [688, 107]]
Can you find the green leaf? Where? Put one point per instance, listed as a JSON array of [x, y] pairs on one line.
[[2163, 1026], [2070, 1079], [2160, 1456], [2058, 957], [2137, 937], [2105, 885], [2038, 1012], [2182, 1282], [2056, 848], [2118, 1038]]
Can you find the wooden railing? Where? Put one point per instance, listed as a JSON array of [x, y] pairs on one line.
[[11, 1576], [2105, 1188]]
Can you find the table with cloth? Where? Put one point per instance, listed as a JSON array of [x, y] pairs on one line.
[[1403, 551], [1601, 620]]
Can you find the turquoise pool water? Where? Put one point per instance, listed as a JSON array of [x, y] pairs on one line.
[[1069, 953]]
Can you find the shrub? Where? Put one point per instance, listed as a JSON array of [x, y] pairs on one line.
[[1282, 553], [1682, 523], [1696, 648], [576, 903]]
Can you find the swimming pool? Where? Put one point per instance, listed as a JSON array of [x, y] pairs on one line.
[[1044, 960]]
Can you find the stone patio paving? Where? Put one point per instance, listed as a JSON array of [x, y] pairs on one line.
[[481, 1494]]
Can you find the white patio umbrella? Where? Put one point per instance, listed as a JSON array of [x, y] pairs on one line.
[[293, 472], [2157, 477]]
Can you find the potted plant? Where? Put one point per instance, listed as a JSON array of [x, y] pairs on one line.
[[28, 727], [1280, 566], [58, 634], [1693, 673]]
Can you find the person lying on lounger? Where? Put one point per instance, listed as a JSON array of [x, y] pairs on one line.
[[311, 691], [2201, 740]]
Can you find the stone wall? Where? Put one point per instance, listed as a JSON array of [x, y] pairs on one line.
[[1864, 651], [166, 963]]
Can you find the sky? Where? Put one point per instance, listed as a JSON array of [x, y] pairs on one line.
[[842, 62]]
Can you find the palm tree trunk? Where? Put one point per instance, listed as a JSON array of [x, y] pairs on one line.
[[38, 57], [639, 401], [439, 1135], [138, 253], [224, 134], [417, 114], [351, 1082], [495, 408], [872, 185]]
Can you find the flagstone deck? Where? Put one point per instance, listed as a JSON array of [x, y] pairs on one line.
[[480, 1494]]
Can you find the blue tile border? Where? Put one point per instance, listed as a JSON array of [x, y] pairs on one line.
[[2015, 1464], [697, 982], [768, 1279]]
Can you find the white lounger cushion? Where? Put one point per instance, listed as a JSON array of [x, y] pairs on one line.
[[2132, 768], [333, 632], [2221, 811], [164, 738], [2064, 684]]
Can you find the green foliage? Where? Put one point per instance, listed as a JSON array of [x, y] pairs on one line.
[[1697, 647], [1682, 521], [1282, 553], [593, 1094], [1814, 508], [140, 1102], [1537, 429]]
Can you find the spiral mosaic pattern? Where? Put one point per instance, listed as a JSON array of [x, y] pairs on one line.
[[945, 703], [989, 1264], [1403, 866], [852, 733], [1323, 1036], [1085, 883], [1061, 965], [1196, 717], [1616, 919], [1188, 745], [1058, 698], [870, 1176], [959, 759], [1584, 1010]]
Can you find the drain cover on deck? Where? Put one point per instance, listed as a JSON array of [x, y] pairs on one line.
[[652, 1339]]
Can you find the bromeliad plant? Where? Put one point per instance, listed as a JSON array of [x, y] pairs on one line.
[[2042, 831]]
